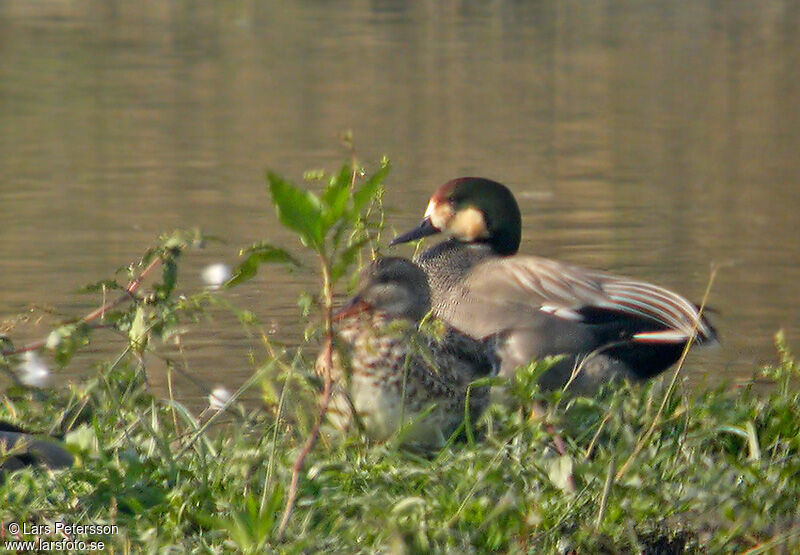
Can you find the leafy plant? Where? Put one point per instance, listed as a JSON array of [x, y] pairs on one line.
[[335, 225], [139, 317]]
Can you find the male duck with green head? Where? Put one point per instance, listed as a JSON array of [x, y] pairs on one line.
[[605, 326]]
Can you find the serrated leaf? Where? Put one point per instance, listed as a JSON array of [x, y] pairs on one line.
[[300, 211], [335, 197], [105, 284], [260, 253]]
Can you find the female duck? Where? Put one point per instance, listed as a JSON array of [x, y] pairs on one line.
[[605, 326], [394, 376]]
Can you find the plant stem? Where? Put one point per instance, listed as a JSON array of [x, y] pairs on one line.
[[327, 294], [99, 312]]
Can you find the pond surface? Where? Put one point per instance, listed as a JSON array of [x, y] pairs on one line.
[[653, 139]]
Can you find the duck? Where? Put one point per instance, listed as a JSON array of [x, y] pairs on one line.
[[392, 373], [20, 448], [600, 327]]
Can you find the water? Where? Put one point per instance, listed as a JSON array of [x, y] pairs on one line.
[[652, 139]]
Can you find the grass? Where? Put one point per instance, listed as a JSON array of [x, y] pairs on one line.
[[718, 470], [721, 473]]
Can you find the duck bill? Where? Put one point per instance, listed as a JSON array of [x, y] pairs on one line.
[[424, 229], [354, 306]]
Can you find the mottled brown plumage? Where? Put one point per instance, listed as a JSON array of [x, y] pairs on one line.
[[396, 376]]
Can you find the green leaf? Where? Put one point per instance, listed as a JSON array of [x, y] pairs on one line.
[[137, 334], [298, 210], [173, 241], [101, 285], [752, 442], [83, 438], [335, 197], [364, 195], [249, 527], [65, 340], [306, 303], [257, 254], [316, 174], [346, 259], [179, 239], [560, 473], [169, 274]]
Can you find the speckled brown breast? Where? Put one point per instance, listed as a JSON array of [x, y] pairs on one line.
[[399, 378]]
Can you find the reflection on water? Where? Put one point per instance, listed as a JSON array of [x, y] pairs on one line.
[[646, 138]]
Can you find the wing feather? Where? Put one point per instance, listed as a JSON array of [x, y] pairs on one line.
[[563, 290]]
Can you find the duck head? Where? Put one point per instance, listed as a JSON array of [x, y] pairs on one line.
[[393, 285], [472, 210]]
